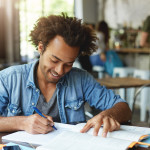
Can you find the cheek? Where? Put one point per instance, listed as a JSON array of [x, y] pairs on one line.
[[45, 61], [47, 65], [67, 69]]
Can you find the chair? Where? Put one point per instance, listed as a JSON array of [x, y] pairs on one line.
[[123, 72], [100, 70], [135, 98], [143, 95], [77, 64]]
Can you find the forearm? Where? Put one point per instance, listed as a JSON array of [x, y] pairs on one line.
[[120, 112], [10, 124], [34, 124]]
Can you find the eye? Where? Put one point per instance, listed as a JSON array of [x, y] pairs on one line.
[[69, 65], [54, 61]]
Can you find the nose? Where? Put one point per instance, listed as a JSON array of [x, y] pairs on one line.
[[59, 69]]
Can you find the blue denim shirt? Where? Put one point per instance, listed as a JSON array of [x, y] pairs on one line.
[[18, 93]]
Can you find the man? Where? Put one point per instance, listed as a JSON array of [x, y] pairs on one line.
[[145, 35], [54, 87]]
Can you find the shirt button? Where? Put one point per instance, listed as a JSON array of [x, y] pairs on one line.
[[32, 104], [75, 108], [13, 111], [37, 90]]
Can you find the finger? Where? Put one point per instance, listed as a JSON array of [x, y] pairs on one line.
[[96, 128], [86, 127], [38, 128], [46, 121], [118, 125], [34, 132], [106, 126], [42, 123], [50, 119], [43, 130], [113, 125]]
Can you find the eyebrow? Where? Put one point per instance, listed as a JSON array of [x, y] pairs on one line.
[[61, 60]]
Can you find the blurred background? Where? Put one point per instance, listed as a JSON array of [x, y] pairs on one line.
[[124, 18], [17, 17]]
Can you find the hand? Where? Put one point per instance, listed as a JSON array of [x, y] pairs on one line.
[[109, 124], [35, 124]]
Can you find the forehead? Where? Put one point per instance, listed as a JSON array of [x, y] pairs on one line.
[[57, 47]]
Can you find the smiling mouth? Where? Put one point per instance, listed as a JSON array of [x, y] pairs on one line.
[[55, 75]]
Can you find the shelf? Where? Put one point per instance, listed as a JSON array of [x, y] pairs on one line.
[[134, 50]]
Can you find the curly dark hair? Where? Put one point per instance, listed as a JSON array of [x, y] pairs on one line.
[[74, 33]]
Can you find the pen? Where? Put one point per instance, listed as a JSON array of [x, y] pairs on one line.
[[38, 111]]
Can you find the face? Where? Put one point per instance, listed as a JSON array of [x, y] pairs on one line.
[[56, 60]]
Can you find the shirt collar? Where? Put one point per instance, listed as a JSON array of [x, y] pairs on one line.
[[31, 80]]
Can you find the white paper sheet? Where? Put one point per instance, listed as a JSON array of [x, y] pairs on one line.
[[82, 141], [131, 133]]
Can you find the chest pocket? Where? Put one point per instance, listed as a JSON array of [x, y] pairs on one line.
[[75, 104], [75, 111], [14, 110]]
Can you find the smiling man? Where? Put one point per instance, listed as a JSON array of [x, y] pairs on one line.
[[54, 87]]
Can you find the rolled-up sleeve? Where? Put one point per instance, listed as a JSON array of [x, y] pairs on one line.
[[99, 96], [4, 96]]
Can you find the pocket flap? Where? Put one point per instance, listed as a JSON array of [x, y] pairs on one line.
[[14, 109], [74, 104]]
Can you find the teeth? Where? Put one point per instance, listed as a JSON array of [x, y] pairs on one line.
[[55, 75]]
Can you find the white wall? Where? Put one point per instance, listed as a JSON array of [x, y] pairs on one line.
[[86, 10], [129, 12], [114, 12], [78, 8]]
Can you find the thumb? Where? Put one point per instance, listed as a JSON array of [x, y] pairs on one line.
[[50, 119]]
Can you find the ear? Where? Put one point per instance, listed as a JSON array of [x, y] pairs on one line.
[[40, 47]]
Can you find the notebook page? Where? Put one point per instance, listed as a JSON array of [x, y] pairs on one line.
[[143, 130], [127, 132], [80, 141], [39, 139], [132, 133]]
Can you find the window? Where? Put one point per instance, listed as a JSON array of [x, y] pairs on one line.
[[30, 11]]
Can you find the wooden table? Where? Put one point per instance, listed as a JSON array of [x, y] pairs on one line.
[[126, 82], [2, 134]]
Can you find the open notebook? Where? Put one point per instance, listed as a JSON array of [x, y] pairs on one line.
[[68, 137]]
